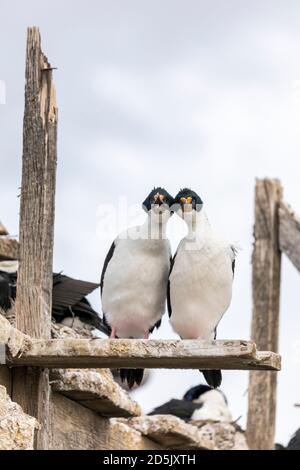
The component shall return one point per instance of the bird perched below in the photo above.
(199, 403)
(201, 276)
(69, 303)
(135, 276)
(294, 443)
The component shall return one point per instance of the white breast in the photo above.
(135, 285)
(200, 287)
(214, 408)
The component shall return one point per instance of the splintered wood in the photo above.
(34, 286)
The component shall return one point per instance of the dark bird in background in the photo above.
(198, 403)
(69, 303)
(135, 276)
(201, 276)
(294, 443)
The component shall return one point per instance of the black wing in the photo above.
(106, 261)
(172, 261)
(68, 300)
(181, 408)
(67, 292)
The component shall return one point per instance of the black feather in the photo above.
(150, 198)
(105, 264)
(169, 305)
(132, 376)
(212, 377)
(181, 408)
(6, 293)
(68, 298)
(294, 443)
(195, 392)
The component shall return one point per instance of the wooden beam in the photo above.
(170, 432)
(265, 321)
(9, 249)
(3, 230)
(74, 427)
(289, 234)
(95, 389)
(165, 354)
(34, 286)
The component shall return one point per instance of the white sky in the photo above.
(174, 93)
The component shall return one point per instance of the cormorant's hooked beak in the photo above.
(159, 199)
(186, 203)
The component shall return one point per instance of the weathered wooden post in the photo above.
(265, 321)
(34, 287)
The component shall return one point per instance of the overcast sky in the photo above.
(172, 93)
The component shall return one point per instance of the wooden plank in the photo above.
(170, 432)
(3, 230)
(124, 353)
(34, 286)
(96, 390)
(265, 321)
(74, 427)
(289, 234)
(9, 249)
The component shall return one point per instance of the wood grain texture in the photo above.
(266, 262)
(289, 234)
(34, 285)
(74, 427)
(165, 354)
(9, 249)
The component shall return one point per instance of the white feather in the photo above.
(201, 281)
(214, 407)
(135, 281)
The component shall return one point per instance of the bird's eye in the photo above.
(189, 200)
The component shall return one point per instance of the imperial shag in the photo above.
(200, 281)
(135, 276)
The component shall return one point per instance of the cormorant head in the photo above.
(159, 201)
(187, 201)
(195, 392)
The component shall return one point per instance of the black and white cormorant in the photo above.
(198, 403)
(200, 281)
(135, 276)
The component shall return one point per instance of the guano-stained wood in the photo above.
(170, 432)
(95, 389)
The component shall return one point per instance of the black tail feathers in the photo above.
(212, 377)
(132, 376)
